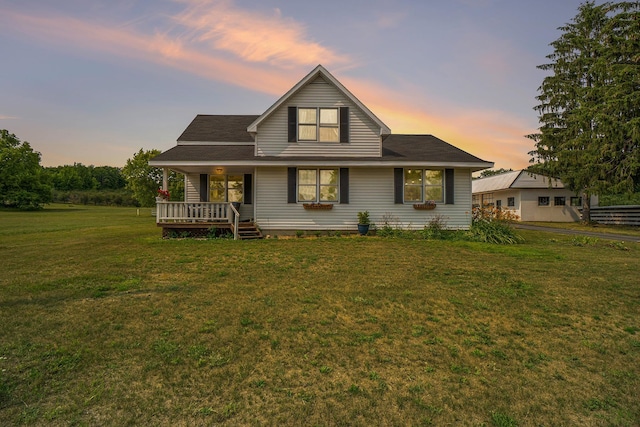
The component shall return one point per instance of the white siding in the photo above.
(370, 189)
(526, 204)
(532, 212)
(364, 134)
(192, 189)
(504, 196)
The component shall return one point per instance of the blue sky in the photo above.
(93, 81)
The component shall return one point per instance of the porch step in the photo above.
(248, 230)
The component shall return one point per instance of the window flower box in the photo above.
(426, 206)
(318, 206)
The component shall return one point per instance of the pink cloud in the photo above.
(160, 48)
(253, 36)
(271, 53)
(491, 135)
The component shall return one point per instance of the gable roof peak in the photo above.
(319, 71)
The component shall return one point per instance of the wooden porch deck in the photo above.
(198, 219)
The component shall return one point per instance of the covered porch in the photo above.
(196, 215)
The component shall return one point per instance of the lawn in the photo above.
(105, 323)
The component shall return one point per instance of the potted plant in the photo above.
(163, 195)
(363, 222)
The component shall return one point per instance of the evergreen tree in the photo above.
(590, 103)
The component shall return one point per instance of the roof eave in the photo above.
(473, 166)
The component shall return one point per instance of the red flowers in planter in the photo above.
(164, 194)
(320, 206)
(426, 206)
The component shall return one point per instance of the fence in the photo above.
(620, 215)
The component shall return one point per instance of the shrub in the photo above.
(435, 229)
(212, 233)
(499, 232)
(492, 225)
(490, 213)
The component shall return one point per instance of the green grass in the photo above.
(104, 323)
(594, 228)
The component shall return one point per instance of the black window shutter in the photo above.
(248, 189)
(204, 190)
(291, 185)
(293, 124)
(344, 185)
(448, 185)
(398, 181)
(344, 124)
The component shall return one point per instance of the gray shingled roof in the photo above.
(218, 128)
(206, 128)
(423, 148)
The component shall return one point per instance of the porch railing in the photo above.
(192, 212)
(184, 212)
(234, 217)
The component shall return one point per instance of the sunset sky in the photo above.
(93, 81)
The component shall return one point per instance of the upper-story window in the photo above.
(318, 124)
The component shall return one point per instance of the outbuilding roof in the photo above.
(515, 179)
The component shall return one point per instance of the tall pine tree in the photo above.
(590, 103)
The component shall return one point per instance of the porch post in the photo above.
(165, 179)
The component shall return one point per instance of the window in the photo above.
(318, 124)
(498, 203)
(487, 199)
(475, 200)
(576, 201)
(423, 184)
(329, 131)
(317, 185)
(559, 201)
(226, 188)
(543, 201)
(511, 202)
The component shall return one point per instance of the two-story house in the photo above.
(312, 161)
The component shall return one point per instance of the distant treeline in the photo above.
(95, 185)
(81, 177)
